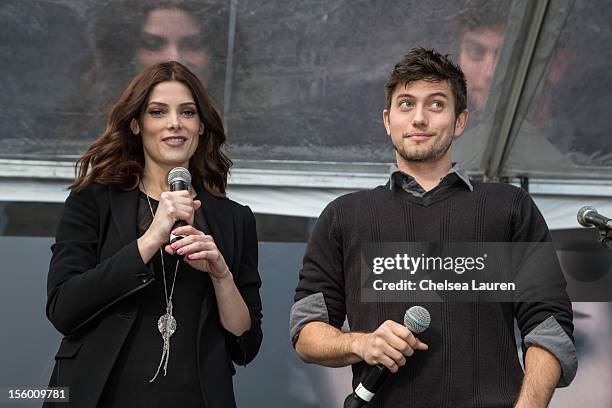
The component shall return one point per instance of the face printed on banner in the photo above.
(421, 120)
(173, 34)
(478, 53)
(170, 125)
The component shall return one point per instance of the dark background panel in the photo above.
(26, 219)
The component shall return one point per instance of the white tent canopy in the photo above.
(289, 191)
(302, 106)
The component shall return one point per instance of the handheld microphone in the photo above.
(417, 320)
(589, 217)
(179, 179)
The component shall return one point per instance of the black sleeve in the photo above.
(547, 323)
(78, 287)
(529, 226)
(319, 295)
(244, 348)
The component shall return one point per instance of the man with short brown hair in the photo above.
(468, 356)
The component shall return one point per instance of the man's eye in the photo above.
(405, 104)
(437, 105)
(476, 51)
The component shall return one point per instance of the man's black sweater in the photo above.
(472, 358)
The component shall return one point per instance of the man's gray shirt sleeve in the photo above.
(551, 336)
(309, 309)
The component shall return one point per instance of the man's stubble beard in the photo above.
(431, 154)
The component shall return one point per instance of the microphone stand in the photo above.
(605, 237)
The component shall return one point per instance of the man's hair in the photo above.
(428, 65)
(483, 14)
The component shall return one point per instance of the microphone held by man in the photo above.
(390, 344)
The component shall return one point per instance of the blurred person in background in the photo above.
(130, 35)
(481, 28)
(482, 32)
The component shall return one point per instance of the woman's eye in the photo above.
(189, 113)
(156, 112)
(151, 42)
(193, 43)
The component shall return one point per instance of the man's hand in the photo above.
(388, 345)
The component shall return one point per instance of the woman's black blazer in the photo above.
(96, 267)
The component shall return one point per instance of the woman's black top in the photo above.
(128, 384)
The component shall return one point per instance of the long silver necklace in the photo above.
(166, 324)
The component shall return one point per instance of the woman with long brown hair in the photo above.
(142, 327)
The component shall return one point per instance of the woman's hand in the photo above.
(200, 251)
(173, 206)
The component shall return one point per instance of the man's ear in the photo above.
(386, 121)
(461, 122)
(134, 126)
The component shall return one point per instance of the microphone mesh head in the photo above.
(582, 212)
(417, 319)
(179, 174)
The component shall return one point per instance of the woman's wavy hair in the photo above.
(117, 158)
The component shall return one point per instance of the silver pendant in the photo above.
(166, 325)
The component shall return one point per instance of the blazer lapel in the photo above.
(220, 219)
(124, 210)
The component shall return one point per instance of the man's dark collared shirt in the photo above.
(408, 183)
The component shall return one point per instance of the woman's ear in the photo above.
(134, 126)
(201, 131)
